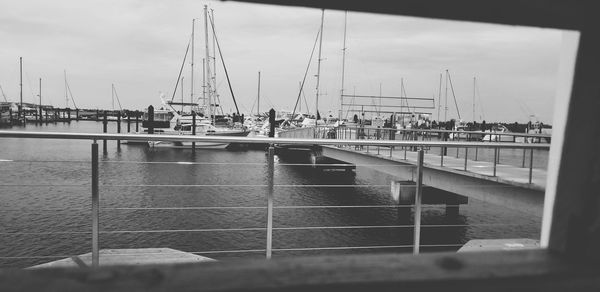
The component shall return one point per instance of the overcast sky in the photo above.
(139, 46)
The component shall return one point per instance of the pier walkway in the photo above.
(516, 184)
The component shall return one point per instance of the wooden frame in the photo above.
(571, 230)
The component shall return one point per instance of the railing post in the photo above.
(498, 156)
(495, 159)
(271, 177)
(95, 205)
(442, 156)
(524, 151)
(466, 155)
(476, 150)
(418, 193)
(530, 165)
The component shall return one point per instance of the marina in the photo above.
(451, 156)
(198, 202)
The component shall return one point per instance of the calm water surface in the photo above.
(45, 204)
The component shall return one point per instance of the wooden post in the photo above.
(272, 123)
(119, 129)
(104, 130)
(150, 120)
(128, 122)
(137, 121)
(194, 130)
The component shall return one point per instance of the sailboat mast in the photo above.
(258, 96)
(473, 98)
(216, 95)
(21, 87)
(40, 95)
(439, 99)
(112, 96)
(192, 66)
(446, 99)
(343, 66)
(66, 88)
(319, 67)
(203, 84)
(207, 72)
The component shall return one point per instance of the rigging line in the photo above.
(117, 96)
(212, 25)
(454, 96)
(181, 69)
(306, 73)
(70, 93)
(305, 102)
(3, 95)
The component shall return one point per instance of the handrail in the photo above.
(445, 131)
(254, 140)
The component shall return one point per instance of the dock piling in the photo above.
(104, 130)
(119, 129)
(193, 131)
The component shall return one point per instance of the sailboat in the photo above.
(182, 123)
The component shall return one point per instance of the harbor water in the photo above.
(213, 203)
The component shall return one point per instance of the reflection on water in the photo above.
(47, 190)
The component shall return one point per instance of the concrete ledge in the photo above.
(528, 270)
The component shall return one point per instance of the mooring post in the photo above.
(194, 130)
(150, 119)
(95, 206)
(68, 115)
(418, 195)
(271, 178)
(272, 124)
(119, 129)
(104, 130)
(128, 121)
(137, 121)
(77, 114)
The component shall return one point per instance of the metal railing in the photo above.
(95, 232)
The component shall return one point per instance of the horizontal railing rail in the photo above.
(258, 140)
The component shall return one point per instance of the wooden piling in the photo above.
(104, 130)
(194, 130)
(119, 129)
(128, 122)
(137, 121)
(150, 120)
